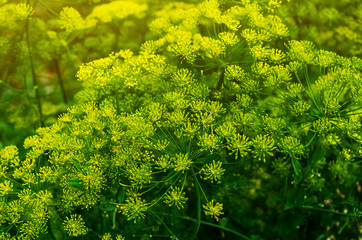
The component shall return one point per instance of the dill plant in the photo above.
(43, 44)
(331, 24)
(220, 123)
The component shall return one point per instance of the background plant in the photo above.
(42, 46)
(332, 25)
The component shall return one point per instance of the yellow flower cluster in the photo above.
(202, 110)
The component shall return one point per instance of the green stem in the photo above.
(167, 228)
(340, 91)
(15, 182)
(50, 231)
(198, 206)
(214, 27)
(11, 87)
(342, 228)
(95, 233)
(221, 79)
(223, 228)
(114, 219)
(315, 134)
(325, 210)
(35, 82)
(213, 225)
(164, 192)
(166, 179)
(7, 229)
(285, 189)
(101, 220)
(117, 101)
(49, 9)
(310, 88)
(306, 90)
(197, 182)
(171, 139)
(61, 82)
(349, 111)
(183, 183)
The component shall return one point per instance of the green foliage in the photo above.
(331, 24)
(42, 46)
(249, 133)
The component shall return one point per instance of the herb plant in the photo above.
(43, 43)
(221, 126)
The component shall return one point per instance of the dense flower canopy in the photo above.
(220, 119)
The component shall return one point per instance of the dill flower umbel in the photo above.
(263, 145)
(291, 146)
(182, 162)
(134, 208)
(75, 225)
(6, 187)
(213, 171)
(213, 210)
(175, 196)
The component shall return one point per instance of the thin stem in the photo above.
(285, 188)
(212, 225)
(315, 134)
(15, 182)
(352, 110)
(221, 78)
(117, 102)
(212, 133)
(189, 146)
(358, 162)
(7, 229)
(222, 227)
(339, 92)
(208, 32)
(214, 27)
(183, 183)
(48, 8)
(95, 233)
(306, 91)
(198, 183)
(325, 210)
(310, 88)
(198, 206)
(164, 192)
(171, 139)
(114, 219)
(50, 231)
(346, 102)
(35, 82)
(101, 220)
(166, 179)
(342, 228)
(61, 82)
(11, 87)
(350, 114)
(162, 222)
